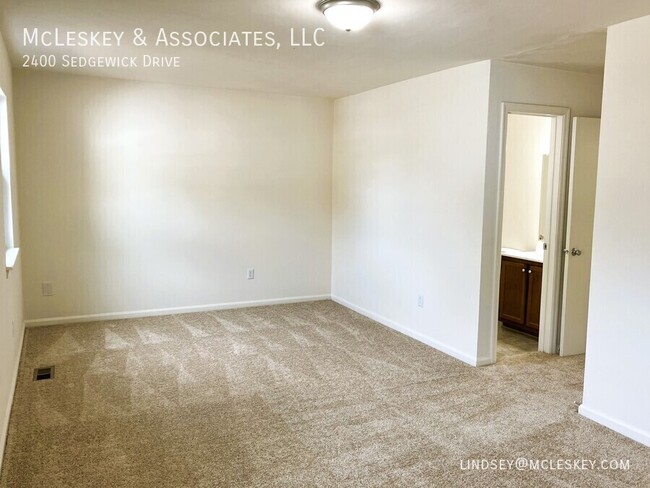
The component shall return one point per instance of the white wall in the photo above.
(617, 385)
(11, 306)
(517, 83)
(140, 196)
(409, 163)
(528, 140)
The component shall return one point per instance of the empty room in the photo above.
(325, 243)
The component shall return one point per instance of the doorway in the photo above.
(543, 284)
(534, 150)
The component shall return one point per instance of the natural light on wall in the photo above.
(11, 252)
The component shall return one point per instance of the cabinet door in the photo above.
(534, 305)
(512, 295)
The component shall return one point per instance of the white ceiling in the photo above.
(584, 52)
(406, 38)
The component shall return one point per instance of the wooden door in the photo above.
(534, 297)
(580, 229)
(512, 299)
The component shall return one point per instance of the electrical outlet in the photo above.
(250, 274)
(47, 289)
(421, 301)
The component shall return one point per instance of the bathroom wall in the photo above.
(528, 141)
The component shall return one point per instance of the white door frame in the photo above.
(556, 216)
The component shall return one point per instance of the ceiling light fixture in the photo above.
(349, 15)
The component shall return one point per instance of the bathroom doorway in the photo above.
(533, 165)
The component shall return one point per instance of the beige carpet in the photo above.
(293, 395)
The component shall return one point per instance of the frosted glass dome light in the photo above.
(349, 15)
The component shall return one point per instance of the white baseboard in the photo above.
(5, 424)
(170, 311)
(616, 425)
(451, 351)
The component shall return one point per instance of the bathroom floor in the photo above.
(512, 343)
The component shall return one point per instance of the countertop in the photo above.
(535, 256)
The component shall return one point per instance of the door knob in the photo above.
(576, 252)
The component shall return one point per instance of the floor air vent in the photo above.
(41, 374)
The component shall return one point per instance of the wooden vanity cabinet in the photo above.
(520, 294)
